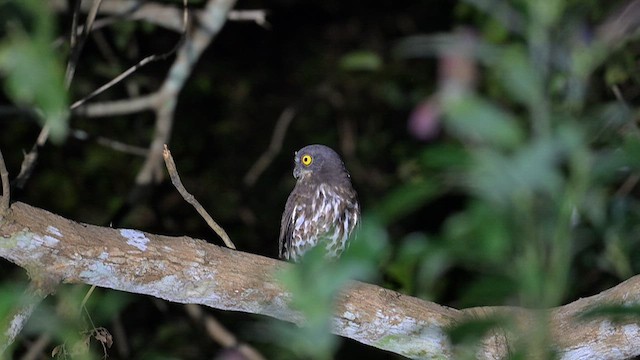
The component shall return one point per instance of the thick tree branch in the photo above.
(185, 270)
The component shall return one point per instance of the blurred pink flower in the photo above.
(424, 121)
(457, 74)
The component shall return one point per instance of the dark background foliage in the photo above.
(520, 189)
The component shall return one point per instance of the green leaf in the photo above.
(33, 73)
(616, 74)
(615, 313)
(362, 60)
(631, 151)
(444, 157)
(405, 199)
(473, 330)
(479, 235)
(617, 255)
(531, 170)
(472, 118)
(488, 291)
(404, 265)
(518, 75)
(546, 12)
(418, 265)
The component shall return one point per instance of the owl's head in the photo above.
(318, 162)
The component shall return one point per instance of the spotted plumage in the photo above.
(322, 208)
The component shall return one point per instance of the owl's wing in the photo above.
(286, 227)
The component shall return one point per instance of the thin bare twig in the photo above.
(119, 107)
(86, 298)
(220, 334)
(616, 91)
(628, 185)
(122, 147)
(124, 75)
(274, 147)
(36, 348)
(258, 16)
(78, 44)
(120, 336)
(31, 158)
(113, 144)
(6, 196)
(620, 24)
(175, 179)
(73, 37)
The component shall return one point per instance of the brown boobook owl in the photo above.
(323, 207)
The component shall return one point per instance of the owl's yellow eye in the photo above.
(306, 160)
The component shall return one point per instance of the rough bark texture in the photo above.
(185, 270)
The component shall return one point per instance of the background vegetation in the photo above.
(494, 146)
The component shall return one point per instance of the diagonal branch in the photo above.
(177, 183)
(220, 334)
(142, 263)
(277, 138)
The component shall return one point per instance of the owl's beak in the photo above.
(299, 172)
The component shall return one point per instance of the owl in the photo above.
(322, 210)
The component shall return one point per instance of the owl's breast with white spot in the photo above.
(328, 216)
